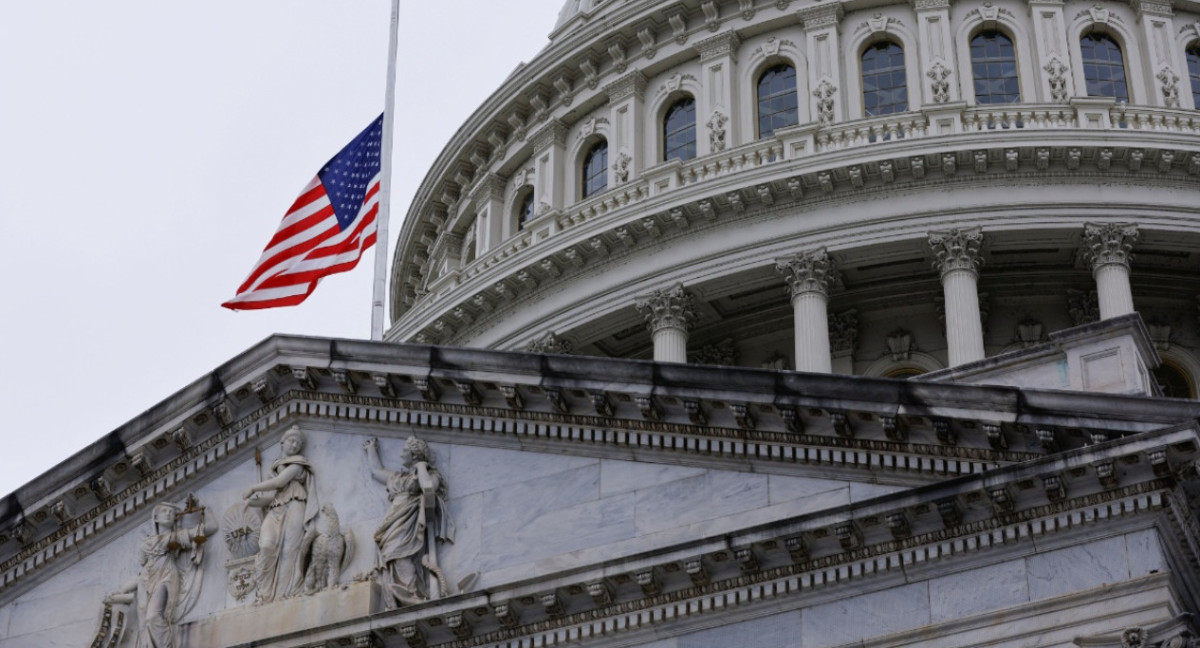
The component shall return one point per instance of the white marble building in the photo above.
(860, 190)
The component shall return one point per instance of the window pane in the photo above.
(1103, 67)
(777, 105)
(885, 89)
(679, 130)
(1193, 66)
(994, 63)
(595, 169)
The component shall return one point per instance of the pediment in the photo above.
(556, 471)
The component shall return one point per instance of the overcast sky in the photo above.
(148, 151)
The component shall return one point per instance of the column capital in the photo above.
(809, 271)
(821, 16)
(632, 84)
(672, 307)
(554, 133)
(956, 249)
(1109, 244)
(723, 44)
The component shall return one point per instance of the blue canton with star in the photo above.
(347, 176)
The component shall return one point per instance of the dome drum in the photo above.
(981, 118)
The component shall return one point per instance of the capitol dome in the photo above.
(869, 188)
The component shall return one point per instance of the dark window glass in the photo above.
(679, 130)
(1173, 381)
(885, 88)
(1193, 66)
(1103, 67)
(525, 211)
(595, 169)
(994, 66)
(777, 99)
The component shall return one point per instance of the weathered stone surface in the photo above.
(978, 590)
(624, 476)
(775, 631)
(866, 615)
(1076, 568)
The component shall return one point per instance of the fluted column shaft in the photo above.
(1108, 248)
(956, 258)
(669, 314)
(810, 275)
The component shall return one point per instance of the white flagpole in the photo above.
(385, 188)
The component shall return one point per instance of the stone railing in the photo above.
(846, 135)
(1163, 120)
(1018, 116)
(807, 141)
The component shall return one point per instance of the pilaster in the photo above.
(1108, 249)
(940, 79)
(626, 105)
(957, 260)
(488, 202)
(1052, 53)
(717, 104)
(822, 26)
(669, 314)
(1163, 66)
(549, 154)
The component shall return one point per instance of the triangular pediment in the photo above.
(561, 476)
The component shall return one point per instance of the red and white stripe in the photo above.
(307, 246)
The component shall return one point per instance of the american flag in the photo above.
(325, 231)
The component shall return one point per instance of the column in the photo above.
(810, 275)
(956, 257)
(1108, 249)
(625, 108)
(717, 104)
(821, 25)
(669, 314)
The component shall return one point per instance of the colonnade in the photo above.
(811, 275)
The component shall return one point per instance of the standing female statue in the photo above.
(168, 583)
(291, 506)
(416, 519)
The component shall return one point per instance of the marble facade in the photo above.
(628, 503)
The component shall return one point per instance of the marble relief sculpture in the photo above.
(326, 551)
(168, 582)
(289, 496)
(417, 518)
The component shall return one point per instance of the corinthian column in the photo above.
(956, 257)
(1108, 249)
(669, 314)
(810, 275)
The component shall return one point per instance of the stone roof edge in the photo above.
(758, 386)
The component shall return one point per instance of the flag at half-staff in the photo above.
(326, 230)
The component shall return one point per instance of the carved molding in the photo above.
(550, 343)
(1109, 244)
(632, 84)
(956, 249)
(724, 44)
(810, 271)
(821, 16)
(673, 307)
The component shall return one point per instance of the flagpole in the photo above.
(379, 296)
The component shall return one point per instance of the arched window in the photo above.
(525, 208)
(1103, 67)
(595, 169)
(885, 88)
(1193, 67)
(994, 66)
(777, 105)
(1174, 381)
(679, 130)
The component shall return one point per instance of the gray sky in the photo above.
(147, 152)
